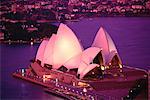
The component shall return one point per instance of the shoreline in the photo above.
(72, 20)
(69, 91)
(19, 42)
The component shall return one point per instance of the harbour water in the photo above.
(13, 57)
(131, 36)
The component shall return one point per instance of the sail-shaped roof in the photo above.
(89, 68)
(41, 50)
(48, 54)
(64, 49)
(66, 46)
(82, 66)
(104, 41)
(111, 55)
(73, 62)
(89, 54)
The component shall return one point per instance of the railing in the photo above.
(92, 95)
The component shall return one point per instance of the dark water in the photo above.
(12, 58)
(131, 35)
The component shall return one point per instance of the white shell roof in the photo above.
(82, 67)
(66, 46)
(111, 55)
(103, 40)
(48, 54)
(73, 62)
(89, 54)
(41, 50)
(65, 49)
(89, 68)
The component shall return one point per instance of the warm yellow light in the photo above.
(106, 67)
(46, 76)
(82, 84)
(102, 67)
(120, 65)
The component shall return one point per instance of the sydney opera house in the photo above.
(64, 53)
(62, 58)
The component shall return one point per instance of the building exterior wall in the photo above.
(55, 74)
(63, 77)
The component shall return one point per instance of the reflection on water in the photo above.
(131, 35)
